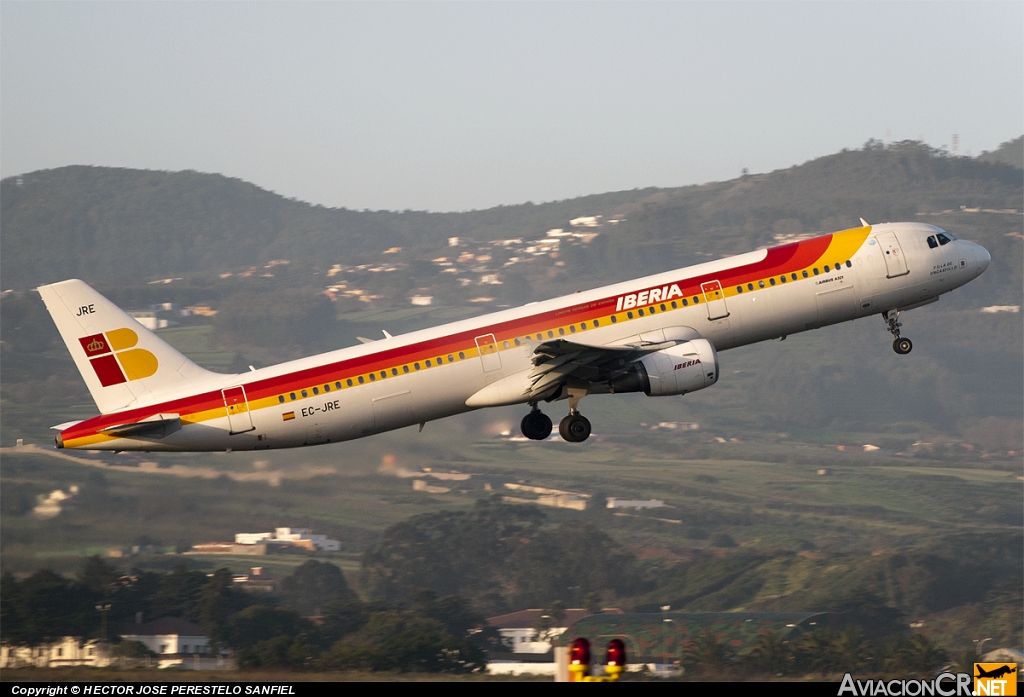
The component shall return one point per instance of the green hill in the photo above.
(126, 226)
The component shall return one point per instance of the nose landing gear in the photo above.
(900, 345)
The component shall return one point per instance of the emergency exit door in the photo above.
(714, 296)
(895, 261)
(239, 420)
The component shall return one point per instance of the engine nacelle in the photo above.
(685, 367)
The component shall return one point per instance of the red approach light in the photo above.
(579, 660)
(616, 655)
(579, 652)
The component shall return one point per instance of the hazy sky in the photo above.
(451, 106)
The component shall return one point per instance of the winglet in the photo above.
(864, 222)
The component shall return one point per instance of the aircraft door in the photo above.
(895, 261)
(714, 296)
(239, 420)
(489, 356)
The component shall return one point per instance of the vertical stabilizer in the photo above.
(123, 363)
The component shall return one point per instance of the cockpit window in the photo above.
(932, 242)
(943, 238)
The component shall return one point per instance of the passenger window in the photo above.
(597, 323)
(416, 365)
(663, 308)
(373, 377)
(848, 264)
(305, 394)
(405, 369)
(793, 276)
(429, 364)
(614, 319)
(640, 312)
(650, 309)
(349, 381)
(561, 331)
(685, 302)
(739, 289)
(451, 358)
(316, 390)
(572, 328)
(782, 278)
(394, 371)
(292, 395)
(815, 270)
(360, 380)
(327, 388)
(771, 281)
(805, 273)
(383, 373)
(760, 284)
(517, 342)
(551, 334)
(462, 356)
(943, 239)
(674, 306)
(338, 385)
(629, 315)
(837, 266)
(696, 300)
(540, 337)
(826, 268)
(280, 398)
(750, 286)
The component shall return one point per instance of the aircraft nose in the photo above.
(983, 258)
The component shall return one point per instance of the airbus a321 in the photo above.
(659, 335)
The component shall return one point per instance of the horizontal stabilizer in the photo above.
(156, 426)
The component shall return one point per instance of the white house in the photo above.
(68, 651)
(298, 537)
(178, 643)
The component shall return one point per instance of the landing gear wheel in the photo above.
(575, 428)
(902, 346)
(536, 425)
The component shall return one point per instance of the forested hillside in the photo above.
(117, 225)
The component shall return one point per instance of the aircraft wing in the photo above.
(562, 362)
(558, 360)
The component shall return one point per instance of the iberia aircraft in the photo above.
(659, 335)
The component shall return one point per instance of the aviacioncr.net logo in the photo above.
(114, 358)
(945, 685)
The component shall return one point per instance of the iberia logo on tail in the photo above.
(115, 360)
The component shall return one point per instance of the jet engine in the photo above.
(685, 367)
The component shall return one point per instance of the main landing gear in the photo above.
(900, 344)
(536, 425)
(574, 428)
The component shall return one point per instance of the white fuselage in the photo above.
(430, 374)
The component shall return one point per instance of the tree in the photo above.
(404, 641)
(769, 654)
(218, 601)
(97, 575)
(710, 654)
(314, 584)
(258, 623)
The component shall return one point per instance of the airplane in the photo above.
(659, 335)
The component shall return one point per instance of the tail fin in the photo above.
(123, 363)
